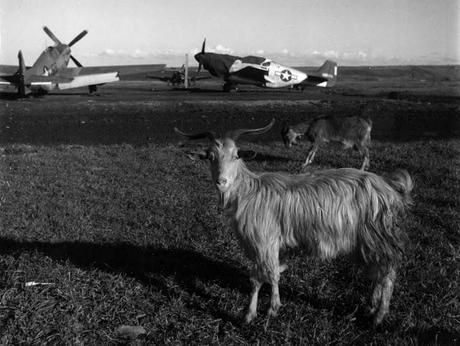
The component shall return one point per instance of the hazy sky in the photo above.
(298, 32)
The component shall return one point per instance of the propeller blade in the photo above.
(20, 75)
(51, 35)
(78, 38)
(203, 45)
(22, 65)
(75, 61)
(199, 68)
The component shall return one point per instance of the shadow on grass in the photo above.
(151, 265)
(148, 265)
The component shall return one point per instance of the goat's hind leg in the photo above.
(383, 290)
(375, 298)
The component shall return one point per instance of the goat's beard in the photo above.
(221, 199)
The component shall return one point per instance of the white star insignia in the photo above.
(285, 75)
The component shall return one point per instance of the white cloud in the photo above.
(285, 57)
(331, 54)
(223, 50)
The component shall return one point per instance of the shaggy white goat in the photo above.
(329, 212)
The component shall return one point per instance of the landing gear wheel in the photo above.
(229, 87)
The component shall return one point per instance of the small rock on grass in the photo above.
(130, 332)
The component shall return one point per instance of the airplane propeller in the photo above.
(20, 76)
(77, 38)
(75, 61)
(200, 65)
(51, 35)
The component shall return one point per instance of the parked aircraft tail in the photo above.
(325, 76)
(329, 71)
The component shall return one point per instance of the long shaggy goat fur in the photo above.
(330, 212)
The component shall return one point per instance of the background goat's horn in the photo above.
(209, 135)
(236, 133)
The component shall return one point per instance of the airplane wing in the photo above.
(200, 77)
(122, 70)
(5, 84)
(162, 78)
(59, 82)
(6, 70)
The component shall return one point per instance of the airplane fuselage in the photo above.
(253, 70)
(50, 61)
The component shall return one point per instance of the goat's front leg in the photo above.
(273, 271)
(311, 154)
(252, 310)
(364, 151)
(275, 301)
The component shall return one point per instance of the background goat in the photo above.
(352, 132)
(328, 213)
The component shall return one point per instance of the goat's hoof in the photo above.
(370, 311)
(249, 317)
(273, 311)
(377, 320)
(283, 267)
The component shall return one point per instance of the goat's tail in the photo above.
(401, 181)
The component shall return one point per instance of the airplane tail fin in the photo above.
(325, 76)
(329, 72)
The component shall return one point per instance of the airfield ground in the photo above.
(99, 200)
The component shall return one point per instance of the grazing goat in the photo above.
(352, 132)
(330, 212)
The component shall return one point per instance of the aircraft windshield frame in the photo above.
(266, 63)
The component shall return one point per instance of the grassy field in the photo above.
(106, 209)
(132, 236)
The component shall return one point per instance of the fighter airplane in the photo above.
(50, 71)
(176, 77)
(262, 72)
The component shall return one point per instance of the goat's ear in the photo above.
(247, 154)
(197, 154)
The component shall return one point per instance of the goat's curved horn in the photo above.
(209, 135)
(237, 133)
